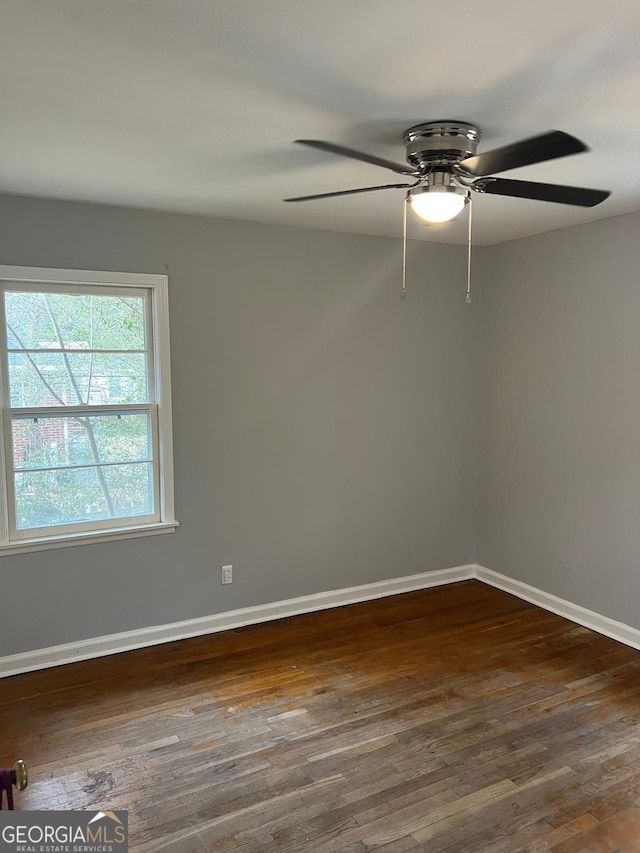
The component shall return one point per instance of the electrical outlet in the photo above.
(227, 574)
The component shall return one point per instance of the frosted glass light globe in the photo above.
(436, 205)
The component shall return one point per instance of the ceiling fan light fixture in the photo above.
(438, 203)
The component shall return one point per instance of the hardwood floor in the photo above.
(457, 718)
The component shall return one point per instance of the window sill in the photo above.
(23, 546)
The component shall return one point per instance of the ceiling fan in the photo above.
(441, 156)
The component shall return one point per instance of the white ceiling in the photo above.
(192, 106)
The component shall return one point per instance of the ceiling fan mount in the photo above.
(444, 143)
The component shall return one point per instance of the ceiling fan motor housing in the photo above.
(440, 143)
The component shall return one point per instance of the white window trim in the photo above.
(158, 285)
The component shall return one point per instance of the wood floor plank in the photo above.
(455, 719)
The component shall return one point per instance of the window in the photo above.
(86, 419)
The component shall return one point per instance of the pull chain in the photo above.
(404, 247)
(467, 298)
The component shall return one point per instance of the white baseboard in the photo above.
(137, 639)
(588, 618)
(127, 640)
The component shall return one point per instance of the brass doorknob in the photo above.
(20, 777)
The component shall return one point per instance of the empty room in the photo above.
(320, 445)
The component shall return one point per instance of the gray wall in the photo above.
(559, 417)
(323, 428)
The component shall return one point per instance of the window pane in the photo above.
(131, 488)
(73, 379)
(46, 498)
(74, 321)
(45, 441)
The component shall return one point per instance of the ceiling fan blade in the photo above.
(580, 196)
(357, 155)
(536, 149)
(349, 192)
